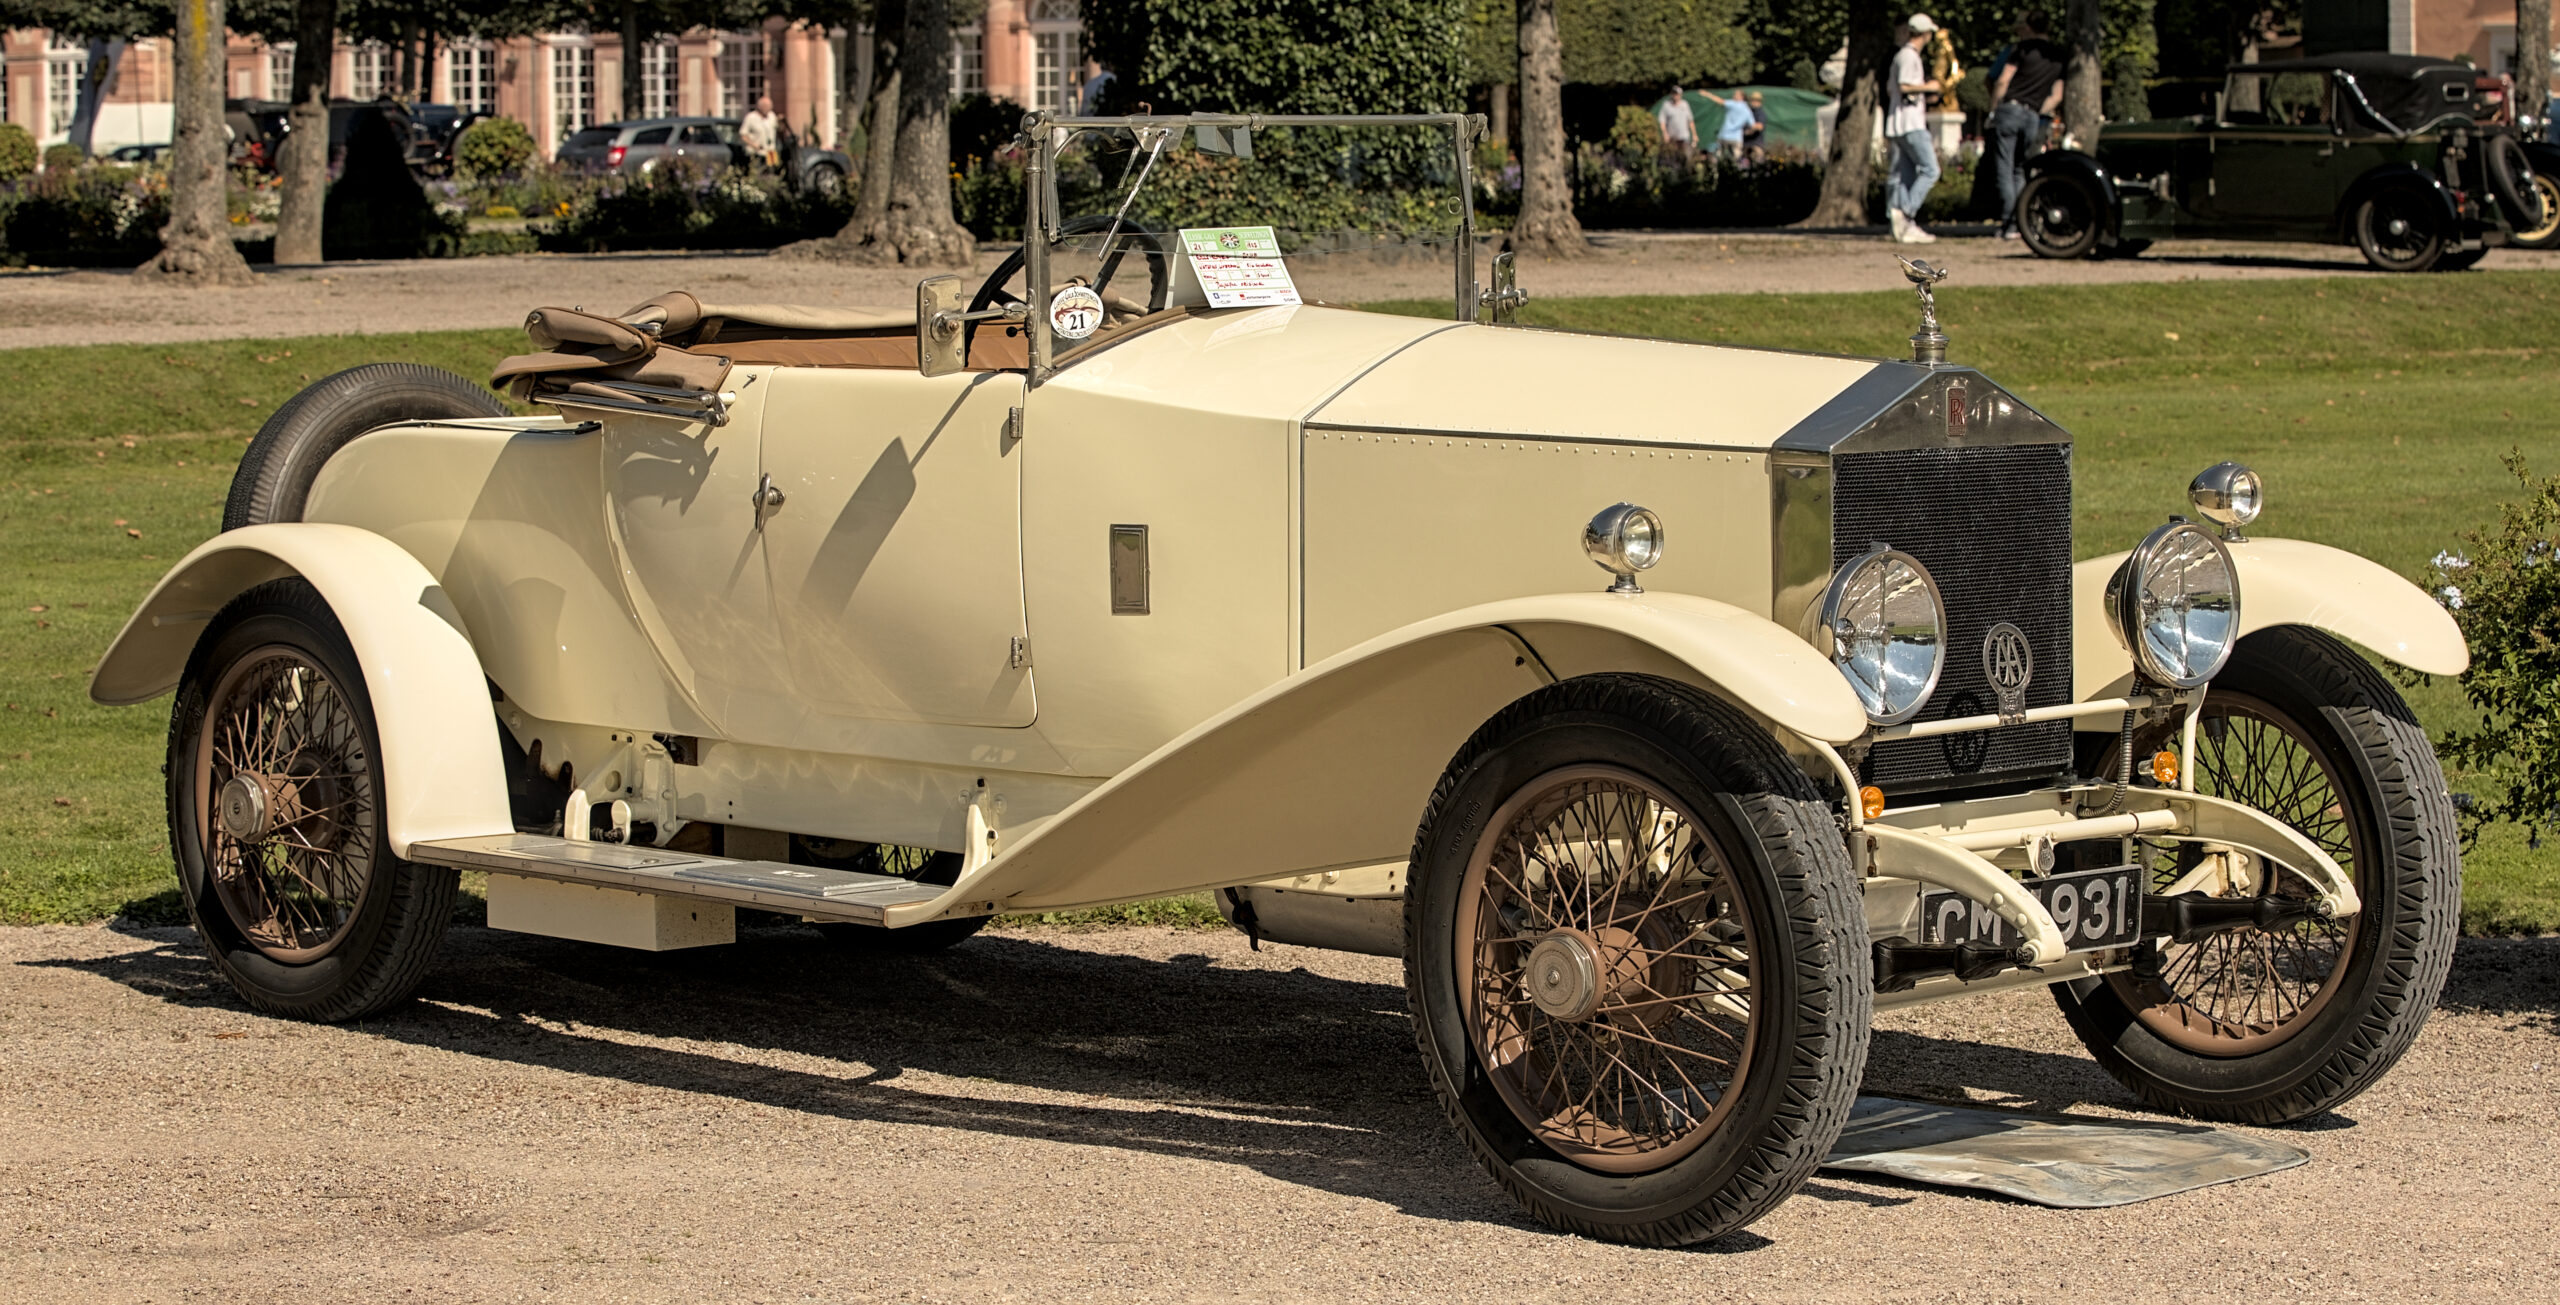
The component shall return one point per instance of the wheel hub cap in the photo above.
(1564, 977)
(244, 807)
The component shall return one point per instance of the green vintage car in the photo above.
(2380, 151)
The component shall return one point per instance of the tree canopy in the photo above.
(1619, 42)
(1284, 56)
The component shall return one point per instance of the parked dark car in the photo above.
(642, 144)
(2384, 152)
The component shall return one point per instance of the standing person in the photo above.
(761, 133)
(2024, 99)
(1906, 128)
(1097, 82)
(1732, 126)
(1755, 136)
(1679, 123)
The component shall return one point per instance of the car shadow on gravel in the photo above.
(1306, 1078)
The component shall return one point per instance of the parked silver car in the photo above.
(642, 144)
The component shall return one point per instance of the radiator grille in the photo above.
(1994, 526)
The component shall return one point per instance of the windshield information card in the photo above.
(1239, 267)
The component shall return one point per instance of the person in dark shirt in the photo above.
(2029, 90)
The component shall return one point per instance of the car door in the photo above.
(2274, 154)
(700, 142)
(895, 555)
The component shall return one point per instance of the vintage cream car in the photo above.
(1052, 595)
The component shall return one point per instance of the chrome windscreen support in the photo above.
(1503, 298)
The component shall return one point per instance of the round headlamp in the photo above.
(2175, 604)
(2228, 495)
(1883, 623)
(1624, 539)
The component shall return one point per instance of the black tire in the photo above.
(2305, 694)
(2400, 229)
(2511, 180)
(2547, 234)
(824, 179)
(923, 865)
(385, 915)
(275, 474)
(1783, 886)
(2460, 260)
(2060, 216)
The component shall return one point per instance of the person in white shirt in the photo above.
(1679, 122)
(1906, 130)
(760, 131)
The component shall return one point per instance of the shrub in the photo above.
(65, 157)
(1650, 187)
(492, 147)
(375, 209)
(86, 217)
(2504, 592)
(18, 157)
(676, 206)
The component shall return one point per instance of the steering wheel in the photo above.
(1157, 249)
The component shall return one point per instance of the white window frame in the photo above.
(1057, 54)
(661, 74)
(573, 108)
(740, 68)
(372, 70)
(969, 59)
(64, 67)
(471, 69)
(280, 71)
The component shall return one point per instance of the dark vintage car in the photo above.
(2385, 152)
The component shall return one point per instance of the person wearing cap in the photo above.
(1906, 128)
(2026, 92)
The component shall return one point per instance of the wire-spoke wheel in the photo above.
(2545, 233)
(2401, 229)
(2059, 216)
(276, 817)
(1611, 969)
(2270, 1025)
(1638, 966)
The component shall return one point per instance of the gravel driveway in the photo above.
(1127, 1115)
(50, 308)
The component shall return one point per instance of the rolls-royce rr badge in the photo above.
(2009, 663)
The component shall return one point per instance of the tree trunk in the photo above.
(631, 55)
(195, 246)
(303, 162)
(98, 76)
(880, 130)
(2533, 63)
(2083, 103)
(1547, 225)
(919, 227)
(1852, 164)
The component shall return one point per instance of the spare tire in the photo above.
(2511, 179)
(276, 474)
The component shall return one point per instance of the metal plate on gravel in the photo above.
(2060, 1161)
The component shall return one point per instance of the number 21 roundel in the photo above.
(1075, 313)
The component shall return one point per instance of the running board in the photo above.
(793, 889)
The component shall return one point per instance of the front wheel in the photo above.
(2266, 1026)
(2546, 233)
(2059, 216)
(276, 823)
(2401, 230)
(1636, 960)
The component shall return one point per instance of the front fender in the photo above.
(2392, 175)
(440, 764)
(2088, 169)
(2282, 582)
(1332, 767)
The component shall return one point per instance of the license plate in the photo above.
(2095, 909)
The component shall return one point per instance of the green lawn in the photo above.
(2375, 408)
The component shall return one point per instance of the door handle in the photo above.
(767, 497)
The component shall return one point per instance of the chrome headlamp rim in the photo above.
(2124, 604)
(2229, 494)
(1823, 620)
(1608, 542)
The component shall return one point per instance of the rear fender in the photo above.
(441, 769)
(2282, 582)
(1332, 767)
(2397, 174)
(2110, 203)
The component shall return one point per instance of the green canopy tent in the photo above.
(1789, 114)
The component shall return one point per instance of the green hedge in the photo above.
(1283, 56)
(680, 207)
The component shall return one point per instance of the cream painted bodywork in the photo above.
(2282, 582)
(1363, 543)
(430, 704)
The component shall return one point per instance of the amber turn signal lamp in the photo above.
(1871, 801)
(2164, 766)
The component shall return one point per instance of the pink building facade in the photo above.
(1030, 52)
